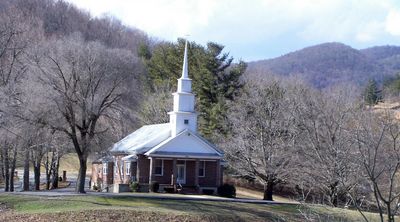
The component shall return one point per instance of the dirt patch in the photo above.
(3, 207)
(107, 215)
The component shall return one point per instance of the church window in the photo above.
(105, 168)
(202, 168)
(158, 167)
(128, 168)
(186, 121)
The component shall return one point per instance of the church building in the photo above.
(172, 154)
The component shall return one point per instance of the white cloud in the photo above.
(393, 22)
(258, 22)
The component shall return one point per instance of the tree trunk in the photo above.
(389, 213)
(54, 183)
(13, 167)
(6, 170)
(80, 184)
(268, 190)
(2, 173)
(26, 170)
(48, 170)
(36, 172)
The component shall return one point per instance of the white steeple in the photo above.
(183, 115)
(185, 72)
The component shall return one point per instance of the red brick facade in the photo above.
(117, 175)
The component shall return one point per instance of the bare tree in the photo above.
(326, 147)
(155, 106)
(84, 80)
(378, 138)
(262, 135)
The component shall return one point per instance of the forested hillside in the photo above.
(72, 83)
(332, 63)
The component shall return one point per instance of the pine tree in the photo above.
(215, 78)
(372, 93)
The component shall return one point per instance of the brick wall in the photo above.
(166, 177)
(210, 178)
(144, 167)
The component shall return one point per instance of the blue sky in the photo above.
(260, 29)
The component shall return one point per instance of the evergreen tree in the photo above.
(372, 93)
(215, 78)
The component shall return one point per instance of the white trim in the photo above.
(162, 167)
(105, 168)
(204, 168)
(197, 137)
(189, 157)
(128, 168)
(184, 172)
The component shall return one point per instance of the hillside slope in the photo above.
(331, 63)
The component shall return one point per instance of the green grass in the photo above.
(93, 206)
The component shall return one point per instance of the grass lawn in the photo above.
(95, 208)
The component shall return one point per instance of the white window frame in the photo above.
(204, 168)
(105, 168)
(128, 168)
(162, 167)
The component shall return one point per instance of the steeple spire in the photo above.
(185, 72)
(183, 116)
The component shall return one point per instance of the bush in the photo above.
(154, 187)
(208, 191)
(227, 190)
(95, 187)
(135, 186)
(169, 189)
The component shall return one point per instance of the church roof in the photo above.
(186, 144)
(143, 139)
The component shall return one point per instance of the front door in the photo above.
(181, 170)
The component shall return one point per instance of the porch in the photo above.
(190, 174)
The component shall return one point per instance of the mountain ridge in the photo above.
(332, 63)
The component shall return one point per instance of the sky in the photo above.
(259, 29)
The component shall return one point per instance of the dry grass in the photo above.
(120, 208)
(242, 192)
(70, 163)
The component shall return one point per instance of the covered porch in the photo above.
(192, 175)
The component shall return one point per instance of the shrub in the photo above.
(169, 189)
(95, 187)
(135, 186)
(227, 190)
(208, 191)
(154, 187)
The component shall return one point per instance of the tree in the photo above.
(216, 79)
(155, 106)
(85, 80)
(372, 93)
(326, 147)
(377, 138)
(262, 140)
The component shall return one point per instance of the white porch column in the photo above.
(151, 172)
(137, 171)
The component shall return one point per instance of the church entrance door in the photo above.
(181, 177)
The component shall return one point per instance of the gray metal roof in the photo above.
(143, 139)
